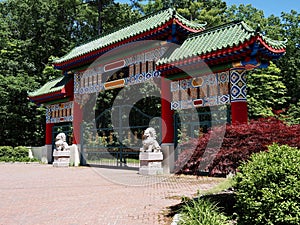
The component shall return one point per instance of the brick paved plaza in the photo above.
(40, 194)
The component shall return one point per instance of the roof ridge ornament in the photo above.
(258, 29)
(174, 12)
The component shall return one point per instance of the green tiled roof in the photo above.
(218, 38)
(274, 43)
(51, 86)
(188, 23)
(145, 24)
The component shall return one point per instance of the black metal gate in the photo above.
(115, 137)
(193, 123)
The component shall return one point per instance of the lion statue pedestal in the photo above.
(150, 156)
(61, 153)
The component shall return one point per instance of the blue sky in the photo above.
(268, 6)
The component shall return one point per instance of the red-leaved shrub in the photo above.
(222, 154)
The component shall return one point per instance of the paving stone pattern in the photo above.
(41, 194)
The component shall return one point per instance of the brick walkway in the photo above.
(40, 194)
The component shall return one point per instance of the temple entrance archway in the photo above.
(114, 136)
(111, 142)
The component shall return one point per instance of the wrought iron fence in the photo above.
(115, 137)
(193, 124)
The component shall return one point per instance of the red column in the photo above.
(238, 94)
(48, 138)
(77, 119)
(166, 112)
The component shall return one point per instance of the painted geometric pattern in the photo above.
(83, 86)
(90, 80)
(95, 87)
(140, 78)
(77, 78)
(202, 102)
(201, 91)
(59, 113)
(238, 88)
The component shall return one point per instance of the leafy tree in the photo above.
(270, 26)
(15, 110)
(86, 18)
(273, 28)
(266, 93)
(247, 13)
(290, 63)
(148, 104)
(22, 120)
(31, 32)
(49, 71)
(292, 116)
(211, 12)
(125, 14)
(285, 28)
(53, 27)
(42, 26)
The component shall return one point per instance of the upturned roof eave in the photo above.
(187, 51)
(50, 91)
(167, 18)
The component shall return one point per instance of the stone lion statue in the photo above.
(149, 141)
(60, 143)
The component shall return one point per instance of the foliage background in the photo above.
(32, 32)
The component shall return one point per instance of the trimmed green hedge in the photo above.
(268, 187)
(17, 154)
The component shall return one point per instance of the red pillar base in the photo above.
(239, 112)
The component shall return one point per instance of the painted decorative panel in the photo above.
(131, 70)
(208, 90)
(92, 85)
(238, 88)
(59, 113)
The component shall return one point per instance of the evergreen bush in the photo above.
(20, 152)
(268, 187)
(17, 154)
(6, 151)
